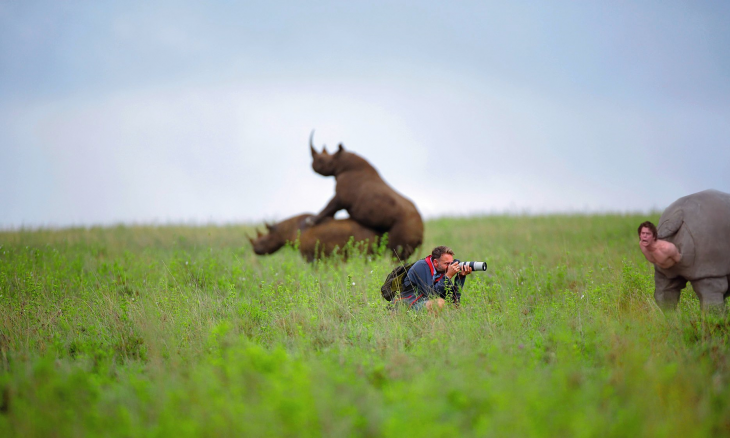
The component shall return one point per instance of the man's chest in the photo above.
(654, 256)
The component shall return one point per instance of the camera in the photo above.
(475, 266)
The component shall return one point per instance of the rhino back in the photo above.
(703, 237)
(332, 233)
(371, 201)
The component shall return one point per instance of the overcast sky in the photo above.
(196, 113)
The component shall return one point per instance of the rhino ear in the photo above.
(340, 148)
(670, 226)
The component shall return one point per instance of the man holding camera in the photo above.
(431, 281)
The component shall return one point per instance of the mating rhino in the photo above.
(699, 225)
(368, 199)
(314, 241)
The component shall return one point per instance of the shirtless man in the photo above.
(660, 252)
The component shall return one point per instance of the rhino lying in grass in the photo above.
(368, 199)
(314, 241)
(699, 226)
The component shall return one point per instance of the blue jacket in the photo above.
(421, 280)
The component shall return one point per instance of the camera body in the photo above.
(475, 266)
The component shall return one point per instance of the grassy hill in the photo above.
(183, 331)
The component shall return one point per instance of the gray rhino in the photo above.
(699, 225)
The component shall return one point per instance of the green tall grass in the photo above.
(183, 331)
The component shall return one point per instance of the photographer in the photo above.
(431, 281)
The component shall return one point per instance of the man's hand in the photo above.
(466, 271)
(452, 270)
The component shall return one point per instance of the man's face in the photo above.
(646, 237)
(442, 263)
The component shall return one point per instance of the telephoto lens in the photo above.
(475, 266)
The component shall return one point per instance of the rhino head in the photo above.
(278, 234)
(324, 163)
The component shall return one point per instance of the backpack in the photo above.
(394, 282)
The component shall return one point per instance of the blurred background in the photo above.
(182, 112)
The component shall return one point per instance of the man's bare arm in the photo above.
(666, 255)
(673, 252)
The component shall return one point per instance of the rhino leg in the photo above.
(711, 292)
(329, 210)
(405, 236)
(307, 253)
(667, 290)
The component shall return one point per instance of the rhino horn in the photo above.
(258, 234)
(311, 144)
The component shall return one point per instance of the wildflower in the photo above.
(581, 297)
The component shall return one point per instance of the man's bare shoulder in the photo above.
(649, 254)
(666, 254)
(666, 247)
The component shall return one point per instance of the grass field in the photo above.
(183, 331)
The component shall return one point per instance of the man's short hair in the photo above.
(439, 251)
(650, 226)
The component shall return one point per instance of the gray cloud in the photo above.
(183, 112)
